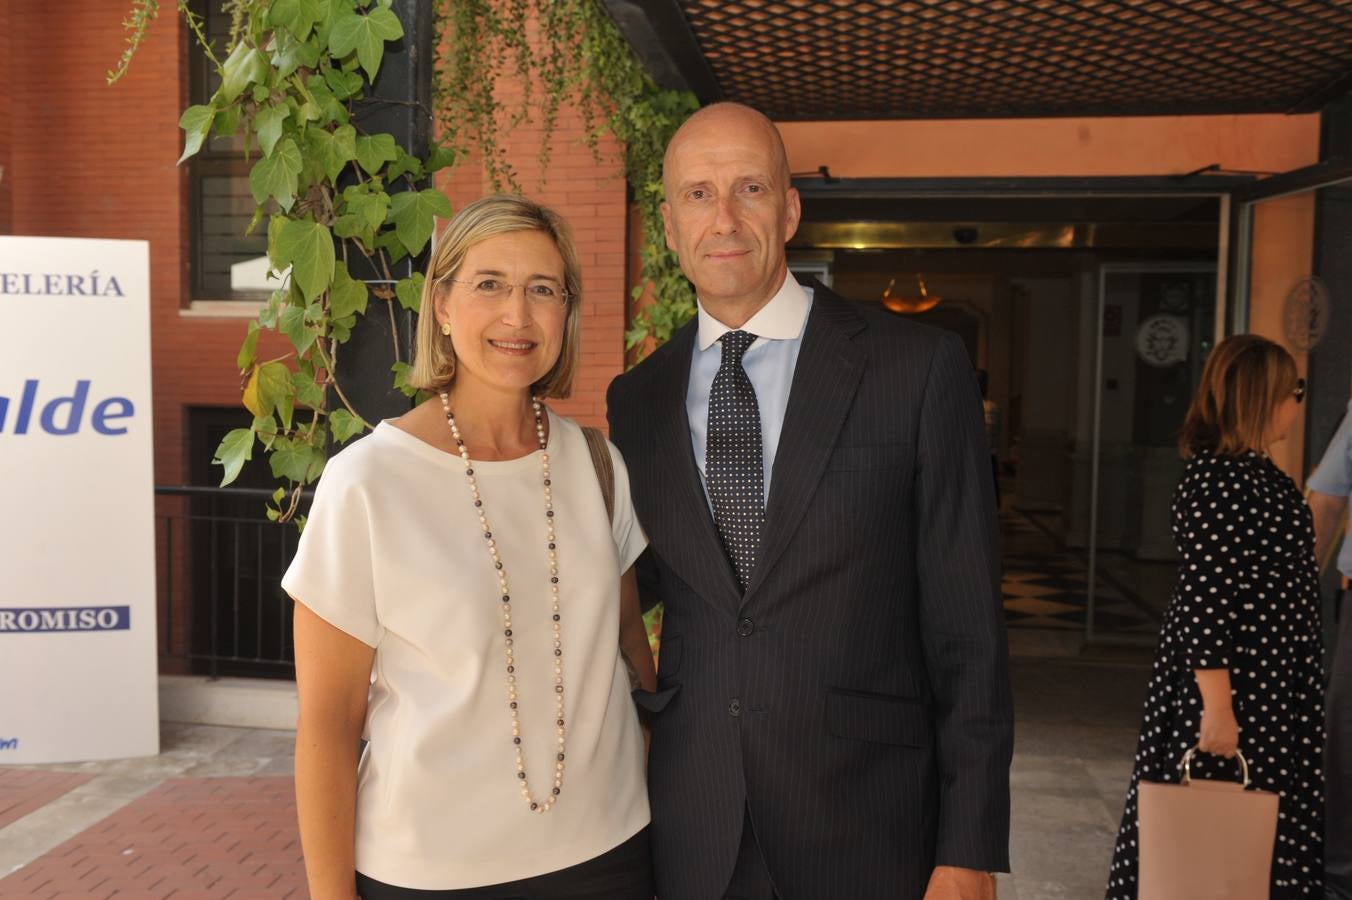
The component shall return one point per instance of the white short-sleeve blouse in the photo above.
(392, 554)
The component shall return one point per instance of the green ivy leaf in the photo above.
(389, 242)
(244, 66)
(234, 450)
(277, 175)
(344, 84)
(248, 352)
(405, 163)
(369, 206)
(307, 392)
(289, 54)
(409, 292)
(366, 35)
(290, 459)
(265, 427)
(273, 385)
(294, 326)
(348, 226)
(440, 158)
(226, 122)
(296, 16)
(347, 296)
(344, 425)
(332, 150)
(308, 248)
(341, 329)
(412, 214)
(268, 124)
(376, 150)
(196, 122)
(401, 372)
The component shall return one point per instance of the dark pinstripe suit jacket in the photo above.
(856, 698)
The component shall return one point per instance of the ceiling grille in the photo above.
(840, 59)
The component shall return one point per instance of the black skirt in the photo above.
(623, 873)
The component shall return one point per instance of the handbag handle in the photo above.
(1185, 764)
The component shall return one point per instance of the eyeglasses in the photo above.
(1299, 392)
(539, 293)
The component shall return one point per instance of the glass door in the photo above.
(1156, 323)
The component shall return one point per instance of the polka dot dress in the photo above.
(1247, 599)
(733, 465)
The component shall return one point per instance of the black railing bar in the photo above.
(258, 591)
(187, 490)
(214, 593)
(169, 581)
(234, 586)
(192, 517)
(232, 659)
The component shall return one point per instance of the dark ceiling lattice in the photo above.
(839, 59)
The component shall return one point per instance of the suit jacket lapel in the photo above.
(683, 528)
(824, 381)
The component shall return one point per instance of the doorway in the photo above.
(1087, 317)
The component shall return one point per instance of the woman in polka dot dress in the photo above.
(1239, 658)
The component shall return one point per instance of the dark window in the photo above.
(221, 203)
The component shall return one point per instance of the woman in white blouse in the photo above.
(459, 591)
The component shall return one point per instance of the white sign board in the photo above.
(77, 528)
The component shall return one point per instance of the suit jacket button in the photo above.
(735, 708)
(745, 627)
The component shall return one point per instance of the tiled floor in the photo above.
(213, 816)
(1046, 585)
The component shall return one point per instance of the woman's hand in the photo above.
(1220, 731)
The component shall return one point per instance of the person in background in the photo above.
(994, 422)
(1239, 665)
(1330, 486)
(463, 600)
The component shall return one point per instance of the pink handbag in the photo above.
(1205, 840)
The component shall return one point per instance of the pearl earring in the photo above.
(446, 328)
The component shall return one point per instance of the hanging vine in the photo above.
(556, 52)
(330, 194)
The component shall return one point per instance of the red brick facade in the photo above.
(85, 159)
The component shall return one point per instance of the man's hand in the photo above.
(952, 883)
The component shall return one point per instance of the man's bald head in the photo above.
(714, 123)
(730, 208)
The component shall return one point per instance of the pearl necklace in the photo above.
(539, 806)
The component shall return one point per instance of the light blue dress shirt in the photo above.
(1334, 477)
(769, 363)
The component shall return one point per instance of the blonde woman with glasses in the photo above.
(459, 589)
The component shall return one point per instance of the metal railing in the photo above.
(221, 608)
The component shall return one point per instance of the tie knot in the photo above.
(735, 344)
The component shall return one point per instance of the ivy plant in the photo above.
(575, 54)
(331, 196)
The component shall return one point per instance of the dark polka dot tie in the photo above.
(732, 458)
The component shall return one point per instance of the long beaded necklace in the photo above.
(539, 806)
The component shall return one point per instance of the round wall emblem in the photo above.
(1305, 317)
(1162, 340)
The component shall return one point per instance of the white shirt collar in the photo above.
(780, 319)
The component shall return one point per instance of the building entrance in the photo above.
(1087, 320)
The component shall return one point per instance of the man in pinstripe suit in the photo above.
(833, 716)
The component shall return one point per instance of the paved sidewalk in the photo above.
(213, 816)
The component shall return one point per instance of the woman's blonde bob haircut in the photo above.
(1245, 379)
(433, 355)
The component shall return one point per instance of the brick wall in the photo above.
(6, 118)
(86, 159)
